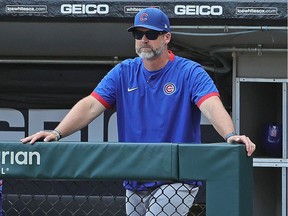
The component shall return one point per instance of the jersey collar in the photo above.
(171, 55)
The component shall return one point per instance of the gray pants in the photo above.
(167, 200)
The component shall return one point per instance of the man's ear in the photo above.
(168, 37)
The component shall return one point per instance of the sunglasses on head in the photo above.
(150, 35)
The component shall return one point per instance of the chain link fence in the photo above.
(77, 198)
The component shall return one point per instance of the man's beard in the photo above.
(153, 53)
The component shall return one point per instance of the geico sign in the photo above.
(84, 9)
(202, 10)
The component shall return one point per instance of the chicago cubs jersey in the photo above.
(156, 106)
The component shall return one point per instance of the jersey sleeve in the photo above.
(105, 92)
(203, 86)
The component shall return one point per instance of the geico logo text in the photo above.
(84, 9)
(203, 10)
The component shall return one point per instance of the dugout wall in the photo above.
(225, 167)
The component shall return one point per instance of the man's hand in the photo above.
(250, 146)
(39, 136)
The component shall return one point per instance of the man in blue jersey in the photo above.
(163, 95)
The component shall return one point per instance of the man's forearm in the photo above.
(215, 112)
(82, 113)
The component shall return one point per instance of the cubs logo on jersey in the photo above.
(169, 88)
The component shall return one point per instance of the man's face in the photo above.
(149, 49)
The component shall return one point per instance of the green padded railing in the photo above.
(225, 168)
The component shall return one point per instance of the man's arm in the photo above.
(215, 112)
(83, 112)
